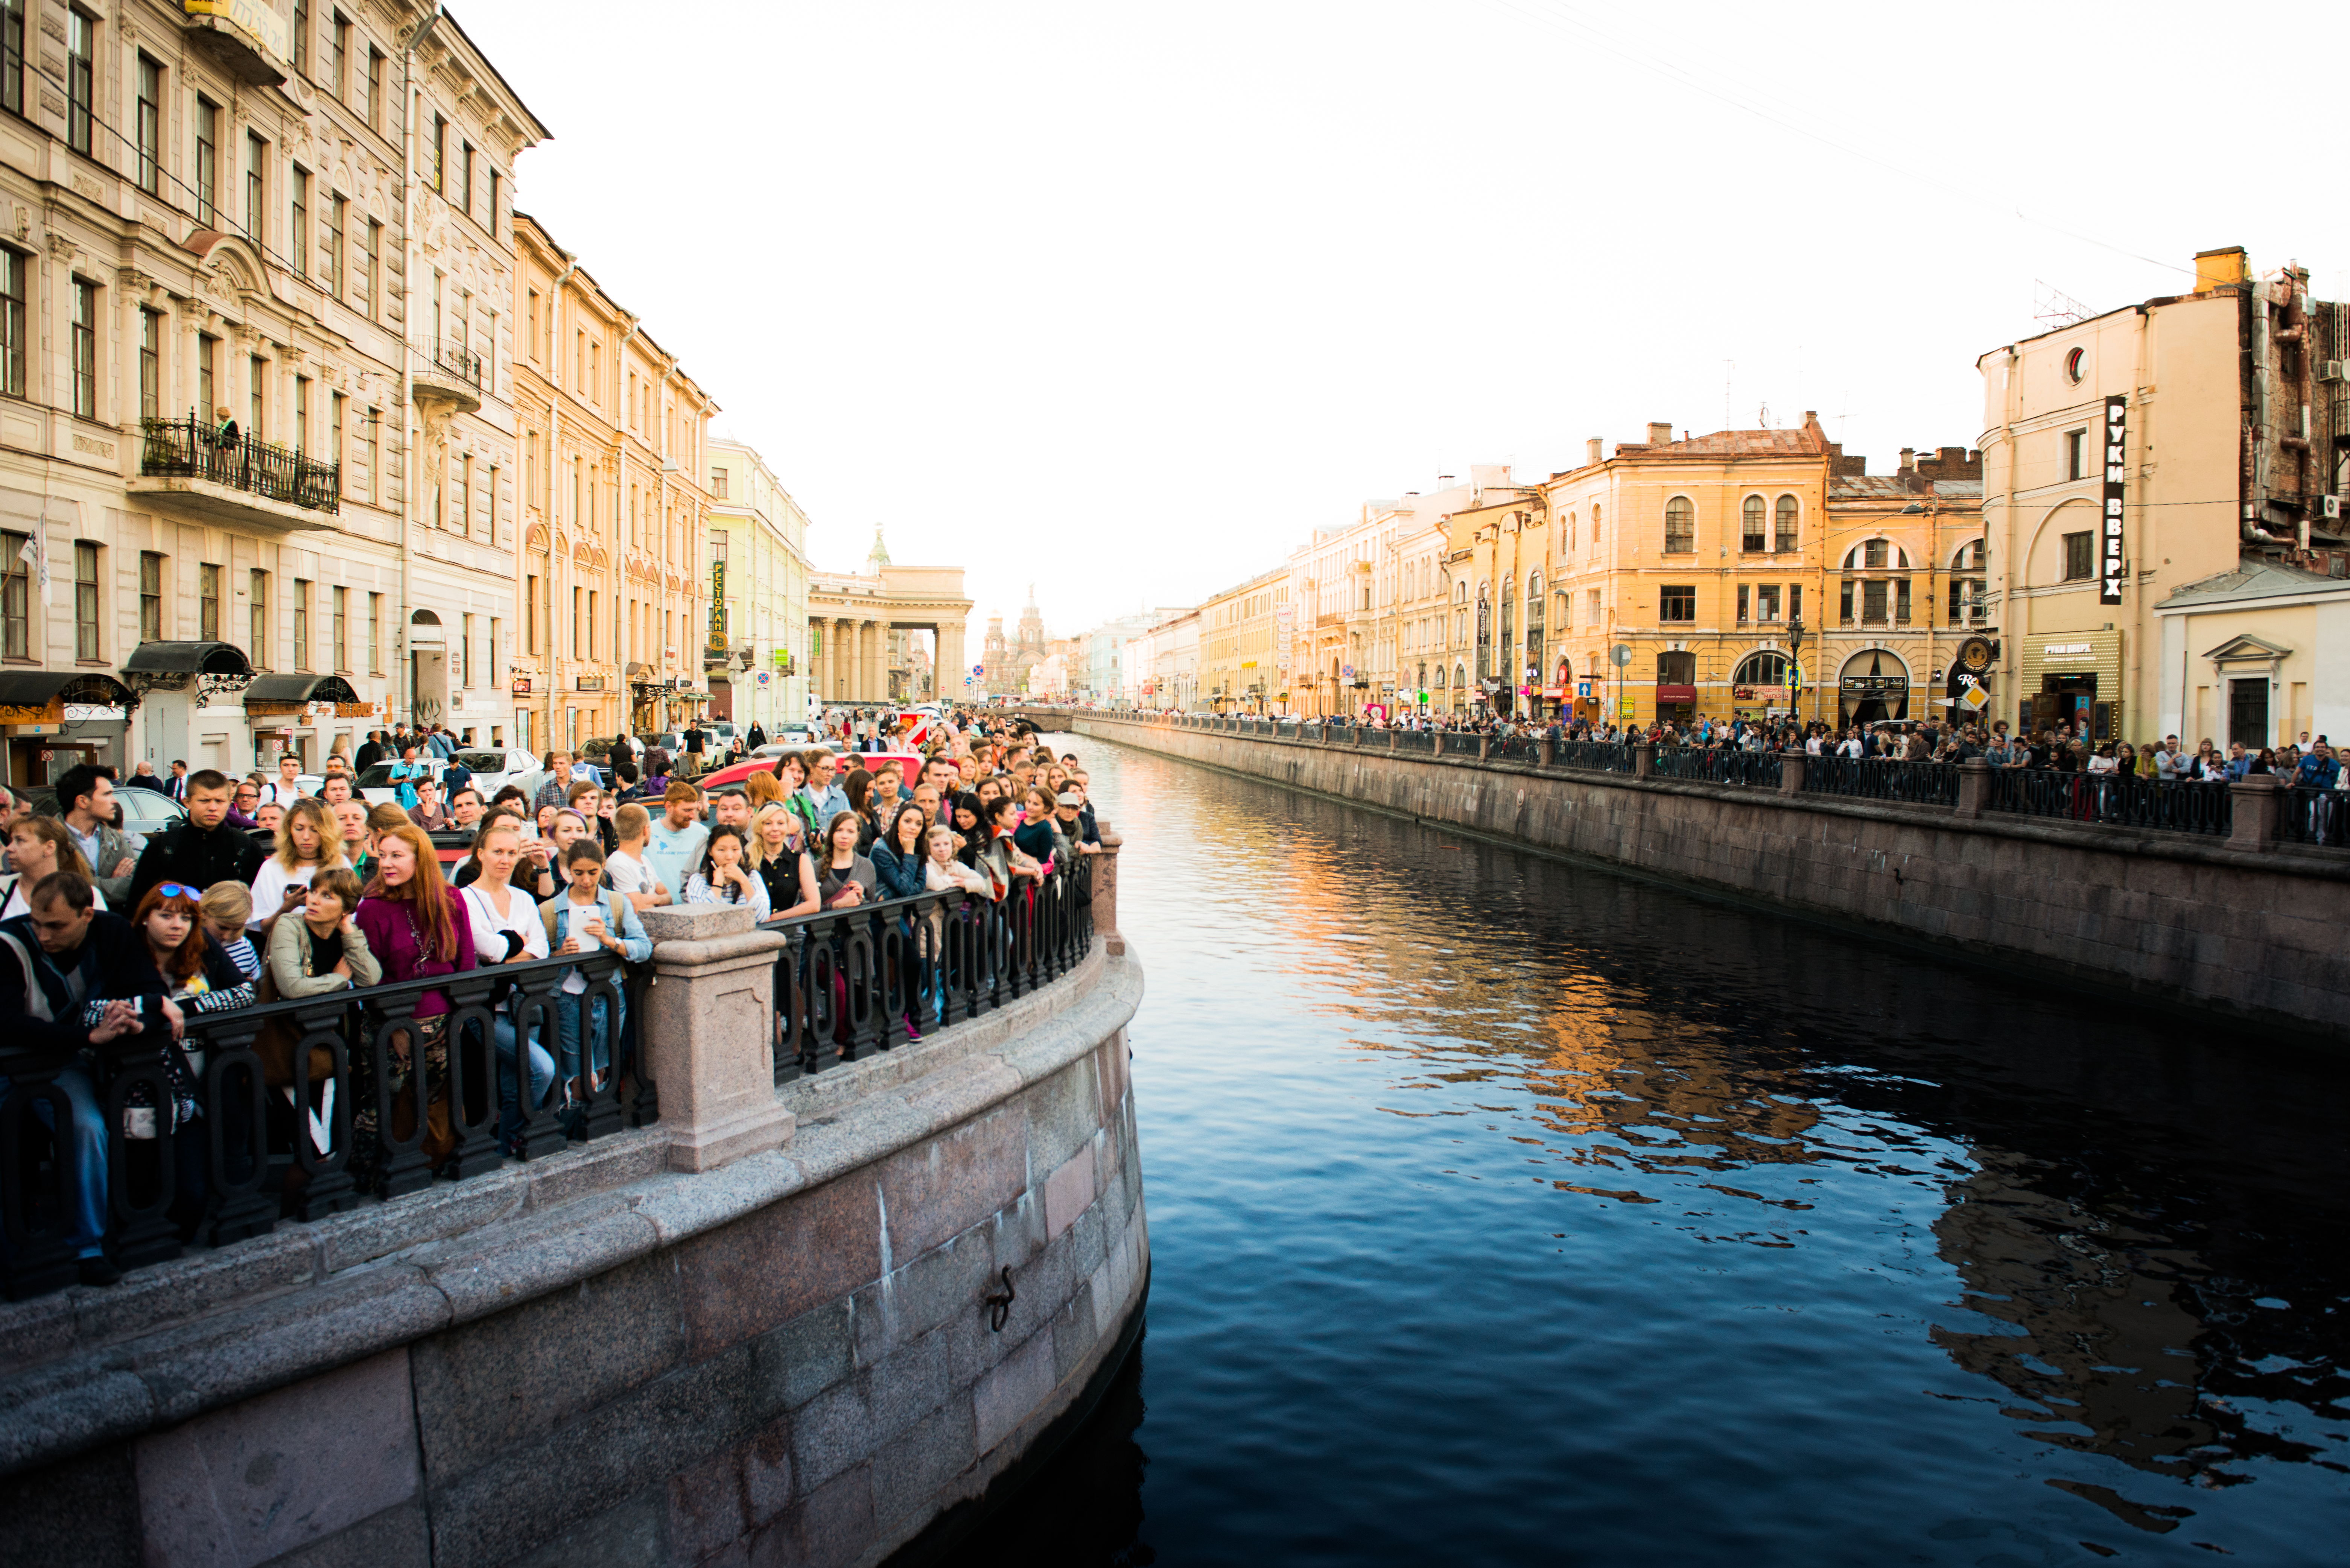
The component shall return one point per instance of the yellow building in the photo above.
(614, 584)
(1236, 640)
(2259, 655)
(1694, 554)
(2136, 452)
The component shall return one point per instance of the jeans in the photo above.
(85, 1159)
(512, 1111)
(569, 1011)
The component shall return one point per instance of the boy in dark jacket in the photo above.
(201, 848)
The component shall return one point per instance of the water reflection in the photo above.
(1814, 1252)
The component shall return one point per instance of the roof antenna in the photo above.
(2051, 307)
(1764, 415)
(1727, 367)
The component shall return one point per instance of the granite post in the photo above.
(709, 1033)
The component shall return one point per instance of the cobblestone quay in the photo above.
(796, 1324)
(2237, 924)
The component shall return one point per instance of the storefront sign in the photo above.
(522, 686)
(1675, 694)
(1874, 685)
(2110, 551)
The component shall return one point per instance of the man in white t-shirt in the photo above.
(283, 788)
(675, 843)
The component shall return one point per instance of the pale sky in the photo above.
(1123, 299)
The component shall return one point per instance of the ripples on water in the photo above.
(1505, 1211)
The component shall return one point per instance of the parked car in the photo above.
(492, 770)
(909, 763)
(375, 783)
(140, 811)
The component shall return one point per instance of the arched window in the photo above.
(1763, 669)
(1751, 536)
(1970, 557)
(1460, 675)
(1789, 513)
(1440, 678)
(1967, 604)
(1484, 634)
(1509, 622)
(1680, 526)
(1594, 523)
(1570, 531)
(1876, 556)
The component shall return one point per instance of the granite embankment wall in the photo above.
(601, 1359)
(2253, 935)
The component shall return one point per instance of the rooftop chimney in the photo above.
(1594, 445)
(2220, 268)
(1908, 457)
(1443, 482)
(1660, 433)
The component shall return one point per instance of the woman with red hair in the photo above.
(416, 928)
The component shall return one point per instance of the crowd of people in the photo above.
(263, 891)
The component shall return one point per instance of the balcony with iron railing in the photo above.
(192, 465)
(446, 372)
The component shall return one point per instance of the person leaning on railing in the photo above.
(504, 923)
(54, 961)
(417, 928)
(582, 919)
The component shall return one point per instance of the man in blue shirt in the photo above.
(673, 849)
(2319, 770)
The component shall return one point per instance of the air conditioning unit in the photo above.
(2330, 508)
(2332, 372)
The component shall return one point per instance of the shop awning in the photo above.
(39, 688)
(299, 688)
(187, 659)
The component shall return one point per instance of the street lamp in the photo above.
(1795, 646)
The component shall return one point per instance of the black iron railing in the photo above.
(854, 981)
(1718, 764)
(1595, 756)
(1415, 741)
(191, 449)
(2308, 815)
(1883, 778)
(448, 361)
(307, 1108)
(1513, 749)
(2121, 800)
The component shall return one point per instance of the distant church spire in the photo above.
(880, 555)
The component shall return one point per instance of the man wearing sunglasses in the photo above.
(201, 848)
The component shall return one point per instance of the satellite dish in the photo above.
(1620, 655)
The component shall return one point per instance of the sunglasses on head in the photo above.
(180, 890)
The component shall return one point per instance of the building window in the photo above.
(1766, 602)
(207, 162)
(16, 601)
(208, 621)
(332, 273)
(717, 483)
(2076, 454)
(1680, 526)
(150, 596)
(147, 125)
(465, 183)
(374, 633)
(577, 618)
(257, 620)
(1677, 604)
(1761, 670)
(84, 349)
(491, 221)
(2080, 557)
(256, 163)
(302, 36)
(12, 323)
(339, 57)
(82, 80)
(375, 89)
(438, 170)
(465, 652)
(299, 235)
(335, 401)
(340, 649)
(371, 287)
(302, 414)
(1789, 511)
(254, 428)
(12, 67)
(1795, 601)
(301, 623)
(530, 615)
(86, 644)
(1743, 617)
(1751, 536)
(461, 514)
(150, 364)
(490, 483)
(374, 423)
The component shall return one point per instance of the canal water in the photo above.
(1504, 1211)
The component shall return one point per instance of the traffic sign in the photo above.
(1620, 655)
(979, 670)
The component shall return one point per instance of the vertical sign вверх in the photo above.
(2110, 550)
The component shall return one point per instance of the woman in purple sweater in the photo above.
(416, 928)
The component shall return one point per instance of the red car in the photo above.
(909, 763)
